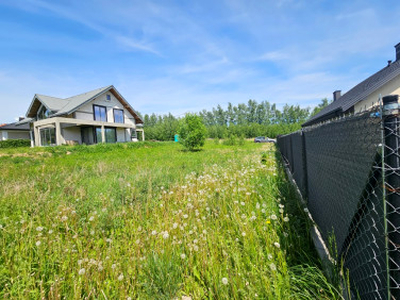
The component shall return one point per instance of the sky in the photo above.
(183, 56)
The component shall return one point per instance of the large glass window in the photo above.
(100, 113)
(118, 116)
(43, 113)
(110, 133)
(48, 136)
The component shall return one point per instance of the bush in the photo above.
(192, 132)
(15, 143)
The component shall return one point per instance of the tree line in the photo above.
(246, 120)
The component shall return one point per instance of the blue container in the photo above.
(176, 138)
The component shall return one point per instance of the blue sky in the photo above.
(185, 56)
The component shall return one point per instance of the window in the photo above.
(43, 113)
(48, 136)
(100, 113)
(108, 97)
(110, 133)
(118, 116)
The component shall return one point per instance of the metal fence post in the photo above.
(305, 176)
(392, 186)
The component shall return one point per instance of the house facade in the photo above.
(364, 95)
(98, 116)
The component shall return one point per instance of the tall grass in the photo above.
(151, 221)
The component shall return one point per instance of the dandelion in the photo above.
(91, 218)
(38, 243)
(165, 235)
(100, 268)
(268, 222)
(120, 277)
(243, 233)
(113, 266)
(82, 271)
(64, 218)
(272, 266)
(269, 256)
(281, 210)
(185, 216)
(273, 217)
(39, 228)
(224, 280)
(196, 248)
(108, 240)
(286, 219)
(277, 245)
(154, 232)
(183, 255)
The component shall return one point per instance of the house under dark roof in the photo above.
(345, 104)
(15, 126)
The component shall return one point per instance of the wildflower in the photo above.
(82, 271)
(108, 240)
(225, 280)
(185, 216)
(273, 217)
(113, 266)
(243, 233)
(100, 268)
(286, 219)
(64, 218)
(154, 232)
(277, 245)
(253, 218)
(183, 256)
(91, 218)
(38, 243)
(165, 235)
(121, 277)
(272, 266)
(268, 222)
(196, 248)
(269, 256)
(39, 228)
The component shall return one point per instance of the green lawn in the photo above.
(151, 221)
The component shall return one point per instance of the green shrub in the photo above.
(15, 143)
(192, 132)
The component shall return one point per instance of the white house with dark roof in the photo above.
(364, 95)
(13, 132)
(99, 116)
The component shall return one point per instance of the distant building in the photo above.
(13, 132)
(364, 95)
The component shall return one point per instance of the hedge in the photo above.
(15, 143)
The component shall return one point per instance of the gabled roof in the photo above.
(59, 107)
(15, 126)
(357, 93)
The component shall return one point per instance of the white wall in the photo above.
(86, 112)
(71, 134)
(16, 135)
(391, 88)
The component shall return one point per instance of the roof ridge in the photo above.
(98, 89)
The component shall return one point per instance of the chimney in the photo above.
(397, 47)
(337, 95)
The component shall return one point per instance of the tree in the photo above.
(324, 103)
(192, 132)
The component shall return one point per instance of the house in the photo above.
(364, 95)
(99, 116)
(13, 132)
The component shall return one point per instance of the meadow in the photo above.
(151, 221)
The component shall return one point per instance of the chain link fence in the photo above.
(348, 171)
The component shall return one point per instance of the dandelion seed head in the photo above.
(224, 280)
(120, 277)
(273, 217)
(39, 228)
(82, 271)
(277, 245)
(272, 266)
(183, 255)
(38, 243)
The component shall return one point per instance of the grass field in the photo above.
(151, 221)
